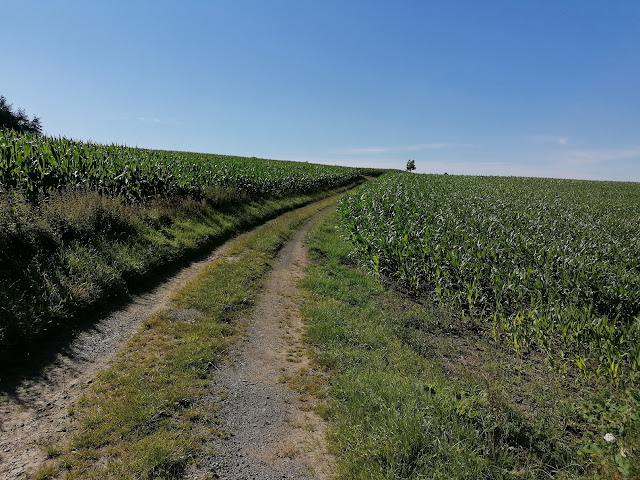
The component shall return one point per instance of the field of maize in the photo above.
(543, 263)
(82, 222)
(39, 164)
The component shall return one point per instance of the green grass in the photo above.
(416, 391)
(148, 414)
(73, 250)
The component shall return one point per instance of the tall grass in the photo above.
(70, 251)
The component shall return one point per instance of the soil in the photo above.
(273, 432)
(270, 434)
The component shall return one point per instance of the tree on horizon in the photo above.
(411, 165)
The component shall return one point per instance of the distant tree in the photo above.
(17, 120)
(411, 165)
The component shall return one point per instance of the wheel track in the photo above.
(273, 432)
(34, 413)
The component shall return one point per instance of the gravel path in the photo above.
(270, 435)
(273, 434)
(34, 413)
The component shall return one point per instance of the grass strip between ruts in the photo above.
(147, 415)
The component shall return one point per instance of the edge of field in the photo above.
(412, 390)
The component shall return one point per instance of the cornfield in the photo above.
(549, 264)
(37, 165)
(82, 222)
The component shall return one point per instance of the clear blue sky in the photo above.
(535, 88)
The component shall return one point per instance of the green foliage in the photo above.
(58, 257)
(37, 164)
(411, 165)
(80, 221)
(19, 120)
(398, 413)
(72, 250)
(549, 264)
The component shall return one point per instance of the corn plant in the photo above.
(550, 264)
(37, 165)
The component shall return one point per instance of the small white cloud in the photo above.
(590, 157)
(156, 120)
(557, 140)
(427, 146)
(366, 150)
(399, 148)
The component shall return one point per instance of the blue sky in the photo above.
(541, 88)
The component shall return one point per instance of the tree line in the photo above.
(17, 120)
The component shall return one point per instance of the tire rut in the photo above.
(272, 431)
(34, 413)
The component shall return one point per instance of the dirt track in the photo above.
(35, 413)
(266, 439)
(273, 434)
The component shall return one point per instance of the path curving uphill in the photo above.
(271, 436)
